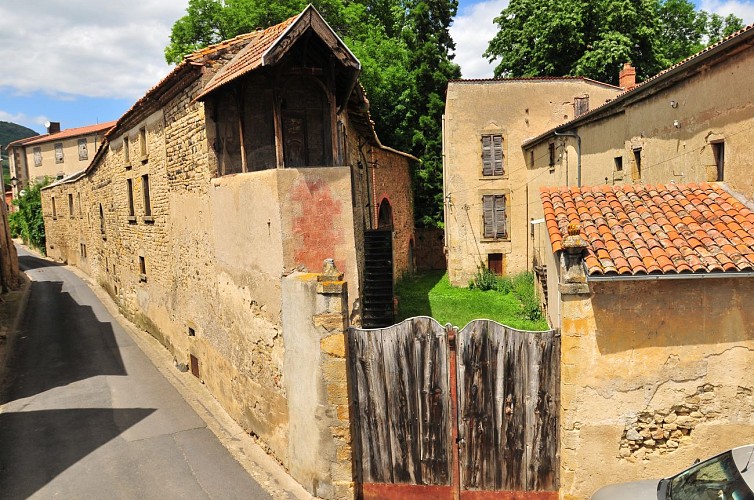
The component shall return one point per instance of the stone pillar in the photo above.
(575, 330)
(315, 319)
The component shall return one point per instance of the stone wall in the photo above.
(205, 271)
(649, 383)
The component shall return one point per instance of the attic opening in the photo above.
(275, 104)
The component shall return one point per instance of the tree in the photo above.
(594, 38)
(27, 222)
(430, 55)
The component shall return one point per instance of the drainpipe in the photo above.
(578, 152)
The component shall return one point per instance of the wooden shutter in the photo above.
(487, 167)
(488, 208)
(497, 148)
(500, 229)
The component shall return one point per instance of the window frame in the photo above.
(493, 155)
(83, 151)
(130, 196)
(37, 153)
(495, 216)
(59, 153)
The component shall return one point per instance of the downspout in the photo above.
(578, 153)
(445, 197)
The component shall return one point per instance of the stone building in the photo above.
(693, 122)
(56, 154)
(209, 205)
(487, 217)
(652, 291)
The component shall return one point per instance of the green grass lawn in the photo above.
(430, 294)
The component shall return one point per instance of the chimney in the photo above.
(53, 128)
(627, 77)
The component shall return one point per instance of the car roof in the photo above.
(743, 456)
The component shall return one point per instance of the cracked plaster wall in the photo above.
(654, 375)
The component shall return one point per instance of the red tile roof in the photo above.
(250, 57)
(71, 132)
(632, 230)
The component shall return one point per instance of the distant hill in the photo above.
(10, 132)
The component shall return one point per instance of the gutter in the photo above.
(663, 277)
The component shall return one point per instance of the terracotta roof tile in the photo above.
(669, 229)
(70, 132)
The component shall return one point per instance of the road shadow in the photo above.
(27, 262)
(26, 465)
(60, 342)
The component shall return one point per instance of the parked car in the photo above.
(727, 476)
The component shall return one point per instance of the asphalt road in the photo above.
(85, 414)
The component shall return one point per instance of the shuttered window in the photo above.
(494, 216)
(492, 154)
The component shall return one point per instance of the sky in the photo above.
(80, 62)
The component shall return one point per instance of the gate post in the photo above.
(315, 318)
(455, 468)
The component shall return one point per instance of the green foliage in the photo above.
(430, 294)
(430, 50)
(593, 39)
(405, 50)
(27, 222)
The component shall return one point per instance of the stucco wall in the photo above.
(517, 109)
(709, 106)
(71, 162)
(654, 375)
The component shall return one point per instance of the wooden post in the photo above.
(455, 468)
(240, 90)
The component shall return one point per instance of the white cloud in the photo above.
(472, 31)
(108, 49)
(743, 9)
(32, 122)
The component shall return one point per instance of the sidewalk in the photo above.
(263, 468)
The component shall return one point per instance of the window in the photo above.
(718, 150)
(83, 250)
(70, 204)
(492, 154)
(59, 152)
(130, 189)
(38, 157)
(102, 222)
(142, 269)
(147, 202)
(551, 151)
(83, 152)
(54, 210)
(580, 106)
(619, 163)
(493, 207)
(78, 200)
(126, 153)
(637, 164)
(143, 143)
(495, 263)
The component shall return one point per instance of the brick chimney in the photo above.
(53, 128)
(627, 77)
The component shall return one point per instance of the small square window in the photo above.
(59, 152)
(83, 152)
(191, 332)
(619, 163)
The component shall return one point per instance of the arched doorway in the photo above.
(385, 215)
(307, 127)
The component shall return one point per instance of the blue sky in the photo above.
(81, 63)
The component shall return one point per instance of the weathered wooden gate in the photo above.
(418, 387)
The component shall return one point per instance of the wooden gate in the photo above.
(417, 387)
